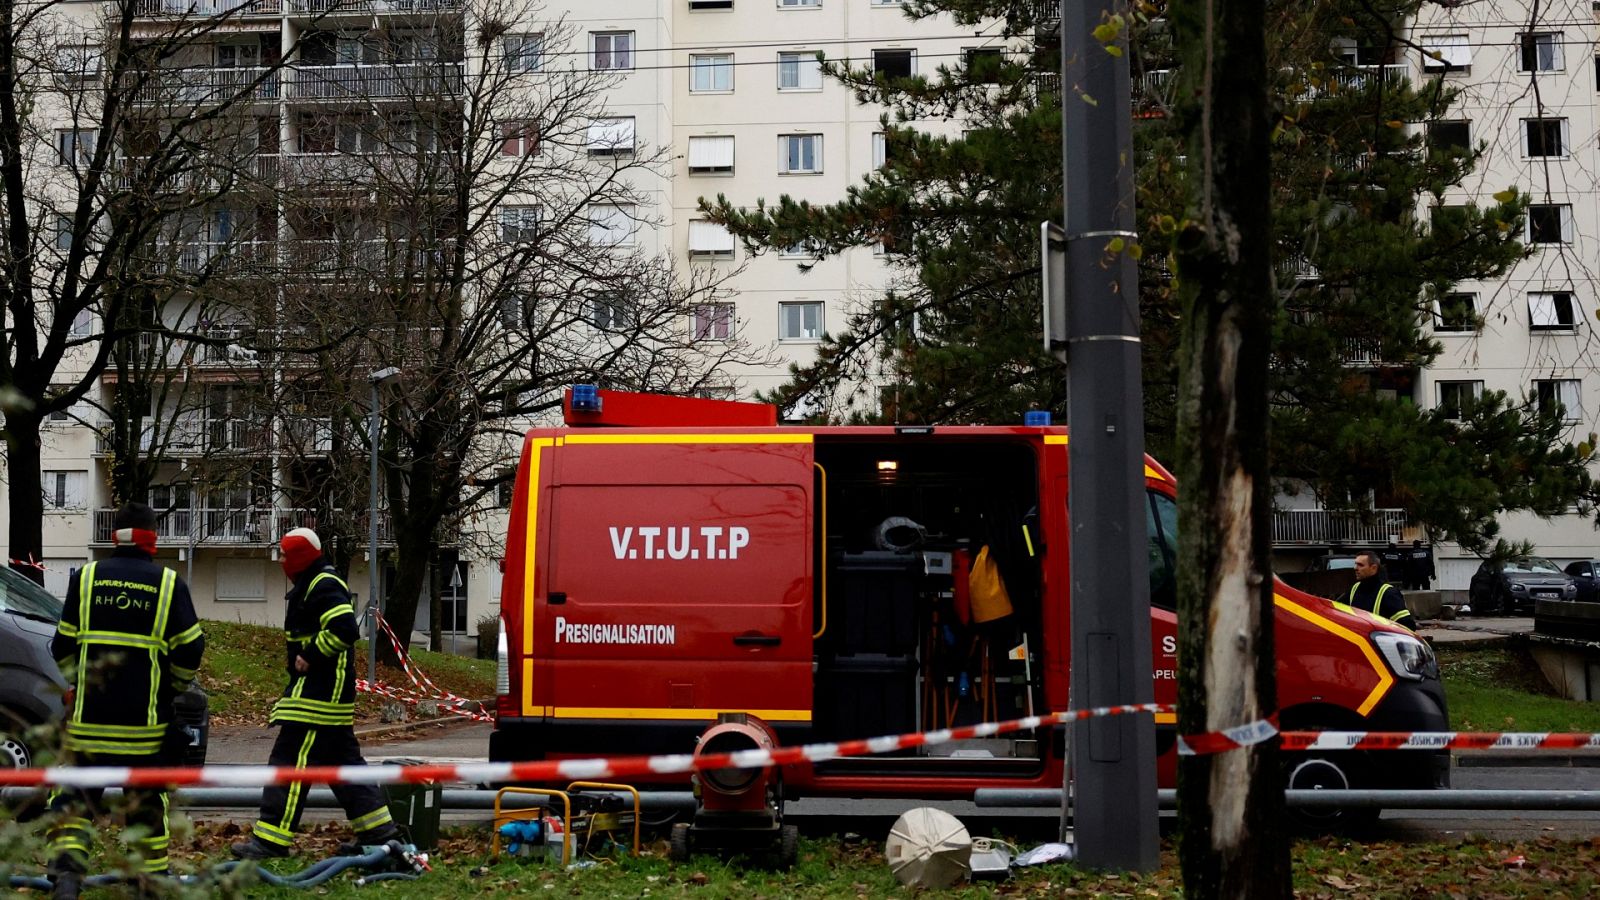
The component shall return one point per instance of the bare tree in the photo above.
(107, 138)
(488, 225)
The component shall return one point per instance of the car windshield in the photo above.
(1533, 564)
(23, 597)
(1339, 562)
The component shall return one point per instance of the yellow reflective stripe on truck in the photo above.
(1385, 680)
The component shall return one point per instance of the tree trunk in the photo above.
(1232, 840)
(26, 537)
(413, 550)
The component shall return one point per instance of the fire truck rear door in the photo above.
(680, 579)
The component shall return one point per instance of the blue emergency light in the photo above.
(1033, 417)
(585, 398)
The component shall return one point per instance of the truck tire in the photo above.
(788, 846)
(1328, 771)
(678, 843)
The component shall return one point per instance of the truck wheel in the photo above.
(788, 846)
(14, 751)
(678, 844)
(1328, 772)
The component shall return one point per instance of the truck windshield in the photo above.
(1161, 534)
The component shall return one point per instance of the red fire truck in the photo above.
(694, 558)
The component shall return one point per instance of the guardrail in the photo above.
(1326, 526)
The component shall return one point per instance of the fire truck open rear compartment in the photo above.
(901, 645)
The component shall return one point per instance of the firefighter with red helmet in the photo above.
(128, 644)
(316, 714)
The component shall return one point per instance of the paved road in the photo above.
(871, 818)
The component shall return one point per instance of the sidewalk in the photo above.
(1474, 632)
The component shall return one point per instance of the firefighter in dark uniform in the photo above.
(316, 714)
(128, 644)
(1375, 595)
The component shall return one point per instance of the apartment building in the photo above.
(730, 90)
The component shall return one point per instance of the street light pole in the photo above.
(374, 570)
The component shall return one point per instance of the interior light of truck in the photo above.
(888, 465)
(1407, 656)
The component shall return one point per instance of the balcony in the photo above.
(1349, 79)
(332, 257)
(363, 170)
(218, 257)
(208, 85)
(1316, 527)
(370, 7)
(186, 436)
(308, 437)
(200, 526)
(198, 9)
(405, 81)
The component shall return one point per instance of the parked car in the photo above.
(1586, 574)
(31, 686)
(1510, 588)
(1334, 562)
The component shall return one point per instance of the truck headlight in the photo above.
(1407, 656)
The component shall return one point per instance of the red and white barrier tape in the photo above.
(1438, 740)
(411, 699)
(544, 770)
(448, 702)
(1229, 739)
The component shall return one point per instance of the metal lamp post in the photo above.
(375, 571)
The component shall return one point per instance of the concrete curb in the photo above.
(376, 731)
(1517, 760)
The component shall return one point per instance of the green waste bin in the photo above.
(415, 808)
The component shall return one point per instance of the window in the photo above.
(519, 139)
(519, 224)
(238, 56)
(880, 149)
(800, 71)
(1540, 52)
(1161, 541)
(709, 239)
(1457, 312)
(808, 248)
(64, 489)
(702, 5)
(241, 580)
(63, 239)
(983, 64)
(1551, 311)
(1450, 135)
(1559, 395)
(711, 154)
(1446, 53)
(1454, 396)
(799, 4)
(713, 322)
(504, 490)
(514, 312)
(80, 61)
(894, 63)
(609, 312)
(711, 73)
(82, 323)
(799, 321)
(75, 147)
(523, 52)
(611, 137)
(1550, 224)
(611, 50)
(800, 154)
(611, 225)
(1544, 137)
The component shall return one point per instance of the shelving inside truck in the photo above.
(904, 647)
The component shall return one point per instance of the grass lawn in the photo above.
(243, 671)
(1501, 689)
(1324, 868)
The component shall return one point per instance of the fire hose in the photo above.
(393, 861)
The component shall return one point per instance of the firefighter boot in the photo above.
(255, 848)
(66, 878)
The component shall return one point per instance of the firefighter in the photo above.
(1376, 595)
(128, 644)
(316, 714)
